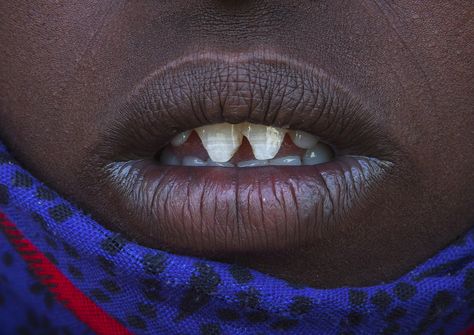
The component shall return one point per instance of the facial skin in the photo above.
(63, 67)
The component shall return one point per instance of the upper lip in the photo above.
(263, 88)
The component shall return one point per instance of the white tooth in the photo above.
(265, 141)
(180, 138)
(302, 139)
(193, 161)
(252, 163)
(168, 158)
(224, 164)
(319, 154)
(287, 160)
(220, 140)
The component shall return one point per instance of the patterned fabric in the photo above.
(49, 249)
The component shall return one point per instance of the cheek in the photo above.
(45, 44)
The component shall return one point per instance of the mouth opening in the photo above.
(244, 145)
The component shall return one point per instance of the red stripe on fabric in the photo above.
(49, 275)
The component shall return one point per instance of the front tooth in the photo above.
(180, 138)
(265, 140)
(302, 139)
(220, 140)
(321, 153)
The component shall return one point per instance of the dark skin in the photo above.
(63, 65)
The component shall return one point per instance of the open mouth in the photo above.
(223, 154)
(244, 145)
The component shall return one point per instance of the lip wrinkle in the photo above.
(146, 122)
(220, 212)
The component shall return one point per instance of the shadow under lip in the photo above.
(213, 210)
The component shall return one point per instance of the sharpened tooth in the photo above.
(265, 140)
(193, 161)
(181, 138)
(220, 140)
(321, 153)
(287, 160)
(302, 139)
(252, 163)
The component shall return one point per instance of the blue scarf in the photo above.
(63, 273)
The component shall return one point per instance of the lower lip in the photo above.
(218, 211)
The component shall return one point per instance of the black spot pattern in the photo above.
(284, 324)
(396, 313)
(23, 330)
(51, 257)
(440, 302)
(50, 241)
(75, 272)
(4, 195)
(60, 213)
(154, 263)
(22, 180)
(113, 244)
(357, 298)
(452, 316)
(241, 274)
(381, 299)
(136, 322)
(392, 328)
(99, 295)
(147, 310)
(110, 286)
(106, 265)
(405, 291)
(40, 324)
(45, 193)
(48, 300)
(32, 318)
(257, 316)
(151, 289)
(300, 305)
(249, 298)
(71, 251)
(469, 279)
(202, 285)
(39, 219)
(227, 314)
(37, 288)
(354, 318)
(210, 329)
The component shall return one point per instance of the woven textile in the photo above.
(57, 265)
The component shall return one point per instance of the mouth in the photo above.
(220, 154)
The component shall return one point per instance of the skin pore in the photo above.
(65, 66)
